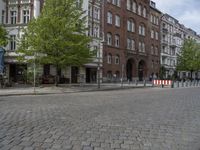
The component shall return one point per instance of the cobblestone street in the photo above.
(134, 119)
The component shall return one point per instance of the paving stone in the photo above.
(139, 119)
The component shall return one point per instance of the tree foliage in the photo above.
(57, 36)
(3, 36)
(189, 58)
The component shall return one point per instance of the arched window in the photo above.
(117, 40)
(109, 38)
(142, 29)
(117, 59)
(134, 7)
(130, 25)
(117, 20)
(109, 17)
(130, 44)
(144, 12)
(109, 59)
(128, 4)
(139, 10)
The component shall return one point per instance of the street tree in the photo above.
(57, 36)
(3, 36)
(189, 58)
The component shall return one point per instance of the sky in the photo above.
(186, 11)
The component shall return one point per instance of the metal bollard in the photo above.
(172, 86)
(178, 84)
(144, 83)
(182, 83)
(136, 82)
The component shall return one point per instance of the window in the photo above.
(117, 21)
(130, 26)
(134, 8)
(130, 44)
(13, 17)
(152, 49)
(26, 16)
(144, 12)
(152, 34)
(96, 13)
(140, 10)
(116, 2)
(142, 30)
(117, 59)
(96, 31)
(156, 50)
(109, 59)
(2, 16)
(128, 4)
(157, 21)
(141, 47)
(117, 40)
(151, 18)
(109, 38)
(109, 17)
(156, 35)
(12, 42)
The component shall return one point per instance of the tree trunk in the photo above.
(56, 76)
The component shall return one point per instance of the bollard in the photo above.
(172, 86)
(136, 82)
(144, 83)
(178, 84)
(182, 83)
(162, 85)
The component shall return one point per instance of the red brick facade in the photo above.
(135, 63)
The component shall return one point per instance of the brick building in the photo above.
(127, 48)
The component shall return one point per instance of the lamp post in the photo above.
(34, 74)
(98, 66)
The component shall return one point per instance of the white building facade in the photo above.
(173, 35)
(171, 42)
(17, 13)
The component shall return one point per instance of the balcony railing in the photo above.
(165, 30)
(13, 2)
(25, 1)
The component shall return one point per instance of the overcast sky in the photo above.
(186, 11)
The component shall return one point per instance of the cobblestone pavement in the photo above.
(135, 119)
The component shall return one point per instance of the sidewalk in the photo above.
(66, 88)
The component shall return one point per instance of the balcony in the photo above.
(164, 42)
(130, 51)
(165, 30)
(177, 35)
(173, 45)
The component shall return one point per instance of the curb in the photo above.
(78, 91)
